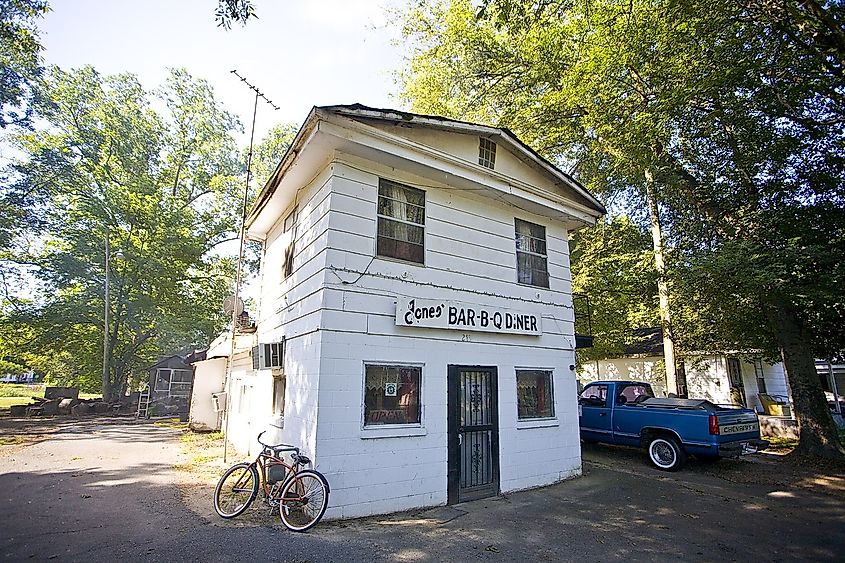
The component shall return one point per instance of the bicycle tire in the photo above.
(242, 492)
(296, 515)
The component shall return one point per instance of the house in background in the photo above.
(719, 378)
(170, 381)
(415, 335)
(28, 377)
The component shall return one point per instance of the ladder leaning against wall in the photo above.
(143, 403)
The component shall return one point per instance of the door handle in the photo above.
(460, 439)
(602, 414)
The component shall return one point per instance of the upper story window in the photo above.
(401, 222)
(531, 259)
(486, 153)
(290, 220)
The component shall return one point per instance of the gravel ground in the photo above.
(109, 489)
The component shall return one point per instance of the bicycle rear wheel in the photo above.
(236, 490)
(304, 500)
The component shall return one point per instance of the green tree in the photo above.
(159, 187)
(613, 265)
(728, 120)
(20, 58)
(267, 154)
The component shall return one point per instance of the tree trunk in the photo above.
(818, 435)
(662, 286)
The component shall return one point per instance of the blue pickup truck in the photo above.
(627, 413)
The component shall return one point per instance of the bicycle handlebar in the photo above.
(279, 447)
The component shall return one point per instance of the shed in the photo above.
(170, 381)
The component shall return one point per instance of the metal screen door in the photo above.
(473, 433)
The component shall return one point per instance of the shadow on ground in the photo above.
(106, 492)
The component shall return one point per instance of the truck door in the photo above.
(594, 412)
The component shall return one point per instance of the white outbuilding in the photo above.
(415, 327)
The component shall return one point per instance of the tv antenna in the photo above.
(236, 301)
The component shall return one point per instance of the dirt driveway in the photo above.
(105, 490)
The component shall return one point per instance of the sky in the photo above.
(298, 53)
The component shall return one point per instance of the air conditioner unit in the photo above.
(218, 401)
(269, 355)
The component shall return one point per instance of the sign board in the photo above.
(434, 313)
(390, 389)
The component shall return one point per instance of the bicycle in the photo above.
(300, 495)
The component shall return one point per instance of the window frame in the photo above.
(621, 392)
(184, 386)
(603, 386)
(159, 371)
(519, 251)
(263, 353)
(550, 392)
(760, 376)
(388, 427)
(292, 216)
(380, 217)
(486, 153)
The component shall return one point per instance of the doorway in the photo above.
(735, 379)
(473, 428)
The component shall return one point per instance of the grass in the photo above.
(202, 438)
(172, 423)
(22, 394)
(6, 402)
(781, 445)
(14, 440)
(21, 390)
(204, 451)
(786, 445)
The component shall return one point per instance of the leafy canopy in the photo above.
(159, 185)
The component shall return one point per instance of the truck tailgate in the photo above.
(737, 424)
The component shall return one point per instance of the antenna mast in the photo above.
(241, 241)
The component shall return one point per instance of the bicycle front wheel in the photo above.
(236, 490)
(304, 500)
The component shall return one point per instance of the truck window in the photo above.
(635, 394)
(594, 396)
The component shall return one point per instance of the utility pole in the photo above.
(238, 270)
(106, 383)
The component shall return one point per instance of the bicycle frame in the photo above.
(298, 492)
(263, 463)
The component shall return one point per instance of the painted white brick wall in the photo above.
(335, 320)
(372, 473)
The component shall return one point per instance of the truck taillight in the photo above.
(714, 424)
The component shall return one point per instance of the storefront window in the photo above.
(392, 395)
(535, 398)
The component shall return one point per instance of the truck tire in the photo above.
(666, 453)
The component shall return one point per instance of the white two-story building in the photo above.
(415, 324)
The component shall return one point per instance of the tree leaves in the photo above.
(20, 58)
(161, 185)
